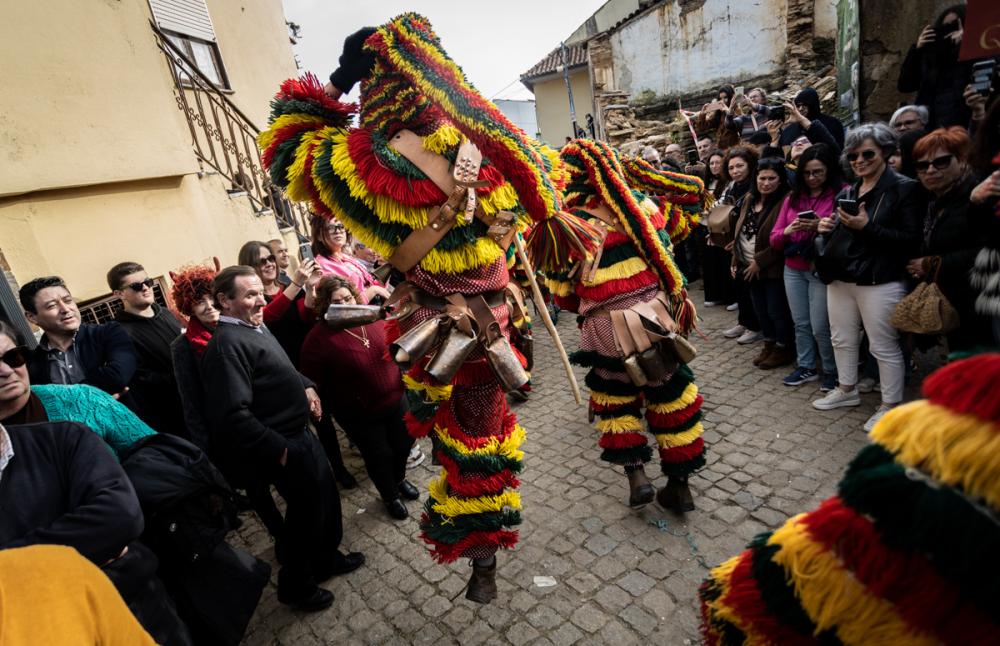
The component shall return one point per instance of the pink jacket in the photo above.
(351, 269)
(821, 204)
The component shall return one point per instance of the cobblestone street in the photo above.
(619, 579)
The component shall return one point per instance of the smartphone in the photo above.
(693, 157)
(738, 97)
(982, 73)
(305, 251)
(850, 207)
(807, 215)
(777, 113)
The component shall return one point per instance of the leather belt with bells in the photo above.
(459, 182)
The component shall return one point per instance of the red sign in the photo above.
(982, 30)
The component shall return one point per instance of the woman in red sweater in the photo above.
(364, 392)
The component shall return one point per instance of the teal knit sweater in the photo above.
(114, 422)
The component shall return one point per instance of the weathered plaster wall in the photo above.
(701, 45)
(552, 106)
(610, 13)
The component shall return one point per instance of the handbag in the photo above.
(926, 310)
(833, 260)
(720, 223)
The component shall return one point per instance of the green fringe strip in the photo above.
(682, 469)
(457, 528)
(635, 411)
(622, 457)
(477, 462)
(420, 409)
(593, 359)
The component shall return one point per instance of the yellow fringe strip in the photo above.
(686, 399)
(508, 447)
(618, 425)
(834, 599)
(559, 289)
(611, 400)
(297, 171)
(431, 393)
(443, 139)
(451, 507)
(624, 269)
(484, 252)
(265, 138)
(680, 439)
(957, 449)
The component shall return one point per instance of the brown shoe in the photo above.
(483, 584)
(641, 491)
(780, 356)
(435, 447)
(676, 495)
(769, 347)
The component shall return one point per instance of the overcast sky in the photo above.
(494, 42)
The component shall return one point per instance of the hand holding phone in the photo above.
(982, 75)
(850, 207)
(693, 156)
(807, 215)
(306, 252)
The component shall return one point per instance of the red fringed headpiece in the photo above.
(968, 386)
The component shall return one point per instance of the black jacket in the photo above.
(187, 371)
(939, 79)
(154, 373)
(879, 252)
(257, 397)
(833, 126)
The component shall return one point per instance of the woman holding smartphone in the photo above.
(819, 179)
(878, 223)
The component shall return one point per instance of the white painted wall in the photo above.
(610, 13)
(723, 41)
(825, 19)
(521, 114)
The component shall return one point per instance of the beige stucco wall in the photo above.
(163, 224)
(552, 106)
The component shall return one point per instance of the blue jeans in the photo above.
(807, 300)
(771, 306)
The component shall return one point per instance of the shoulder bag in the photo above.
(926, 310)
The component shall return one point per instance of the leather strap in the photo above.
(515, 292)
(607, 216)
(484, 317)
(637, 332)
(436, 167)
(623, 338)
(418, 243)
(467, 164)
(423, 299)
(461, 316)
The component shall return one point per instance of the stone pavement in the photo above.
(619, 579)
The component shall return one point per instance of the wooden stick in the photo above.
(547, 320)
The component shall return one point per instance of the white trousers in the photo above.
(850, 306)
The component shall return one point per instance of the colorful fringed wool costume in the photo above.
(356, 176)
(905, 554)
(635, 265)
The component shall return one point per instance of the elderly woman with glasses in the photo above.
(954, 230)
(329, 245)
(910, 117)
(861, 256)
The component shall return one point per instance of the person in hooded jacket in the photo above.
(807, 112)
(932, 70)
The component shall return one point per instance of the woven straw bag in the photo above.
(926, 310)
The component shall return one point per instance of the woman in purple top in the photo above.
(817, 182)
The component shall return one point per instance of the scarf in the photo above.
(197, 335)
(935, 205)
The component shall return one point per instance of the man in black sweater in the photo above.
(152, 330)
(60, 485)
(260, 408)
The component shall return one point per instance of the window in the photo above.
(205, 56)
(189, 27)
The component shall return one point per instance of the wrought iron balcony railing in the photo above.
(225, 138)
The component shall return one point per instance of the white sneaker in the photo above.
(873, 420)
(733, 307)
(866, 385)
(750, 337)
(734, 332)
(712, 303)
(415, 458)
(837, 398)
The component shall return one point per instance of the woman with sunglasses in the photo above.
(954, 230)
(329, 245)
(738, 170)
(818, 180)
(761, 264)
(862, 259)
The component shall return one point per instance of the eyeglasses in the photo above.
(15, 357)
(773, 160)
(337, 228)
(801, 142)
(140, 285)
(264, 261)
(903, 125)
(814, 173)
(940, 163)
(867, 155)
(800, 106)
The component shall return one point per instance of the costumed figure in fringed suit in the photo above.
(906, 553)
(437, 181)
(636, 313)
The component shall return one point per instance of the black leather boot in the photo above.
(676, 495)
(483, 584)
(641, 491)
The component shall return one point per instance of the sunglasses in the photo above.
(908, 123)
(15, 357)
(337, 228)
(271, 259)
(940, 163)
(867, 155)
(140, 285)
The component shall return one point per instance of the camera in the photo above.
(777, 113)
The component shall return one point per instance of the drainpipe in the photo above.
(569, 90)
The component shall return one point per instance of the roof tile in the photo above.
(576, 55)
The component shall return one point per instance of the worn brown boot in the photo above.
(779, 356)
(641, 491)
(483, 584)
(676, 495)
(435, 447)
(769, 347)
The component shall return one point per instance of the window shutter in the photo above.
(188, 17)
